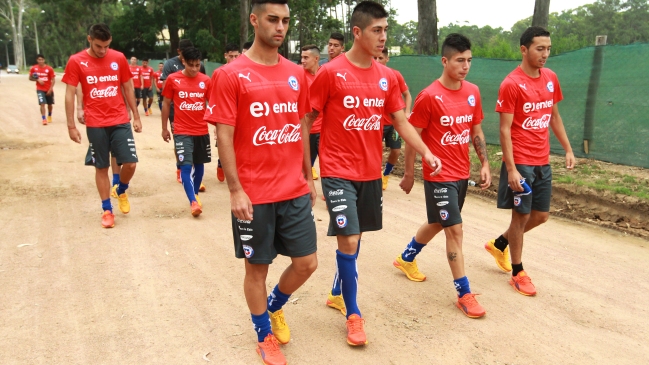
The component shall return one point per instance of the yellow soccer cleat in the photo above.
(337, 302)
(113, 191)
(502, 258)
(409, 268)
(385, 179)
(123, 204)
(314, 173)
(49, 119)
(198, 200)
(280, 328)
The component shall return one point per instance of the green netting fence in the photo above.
(209, 66)
(605, 90)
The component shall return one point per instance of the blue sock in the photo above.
(121, 188)
(462, 286)
(42, 116)
(186, 172)
(199, 170)
(348, 281)
(115, 179)
(106, 205)
(277, 299)
(388, 169)
(412, 250)
(335, 288)
(261, 324)
(218, 163)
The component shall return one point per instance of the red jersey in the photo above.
(317, 123)
(403, 87)
(158, 82)
(265, 105)
(447, 117)
(136, 71)
(188, 95)
(147, 75)
(531, 101)
(209, 117)
(45, 74)
(353, 101)
(101, 80)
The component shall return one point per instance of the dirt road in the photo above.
(165, 288)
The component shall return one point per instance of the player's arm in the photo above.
(408, 99)
(306, 161)
(70, 93)
(408, 179)
(412, 138)
(166, 110)
(129, 92)
(480, 146)
(240, 202)
(81, 117)
(556, 123)
(513, 176)
(308, 122)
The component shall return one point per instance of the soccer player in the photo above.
(353, 92)
(528, 104)
(310, 58)
(231, 53)
(136, 71)
(103, 73)
(335, 47)
(448, 114)
(262, 99)
(147, 92)
(158, 84)
(391, 138)
(189, 90)
(44, 76)
(246, 46)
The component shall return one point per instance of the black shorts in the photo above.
(444, 201)
(314, 142)
(43, 98)
(286, 228)
(138, 93)
(160, 97)
(539, 178)
(147, 93)
(391, 137)
(116, 140)
(192, 150)
(354, 206)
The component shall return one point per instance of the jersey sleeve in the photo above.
(319, 90)
(478, 114)
(304, 102)
(211, 96)
(52, 74)
(393, 99)
(226, 100)
(558, 94)
(167, 69)
(124, 70)
(421, 111)
(71, 75)
(168, 92)
(402, 82)
(32, 70)
(507, 96)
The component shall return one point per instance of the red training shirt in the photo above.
(353, 101)
(45, 74)
(136, 71)
(209, 116)
(188, 95)
(147, 74)
(101, 80)
(403, 87)
(317, 123)
(531, 101)
(158, 82)
(447, 117)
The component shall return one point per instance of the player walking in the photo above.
(353, 92)
(528, 104)
(147, 92)
(136, 71)
(44, 76)
(263, 143)
(447, 114)
(189, 90)
(335, 47)
(310, 58)
(158, 84)
(103, 73)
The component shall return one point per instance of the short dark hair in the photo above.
(455, 42)
(256, 3)
(530, 33)
(191, 54)
(161, 63)
(385, 51)
(311, 47)
(145, 60)
(184, 43)
(338, 36)
(40, 56)
(365, 12)
(99, 31)
(247, 45)
(231, 48)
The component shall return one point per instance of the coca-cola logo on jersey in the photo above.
(108, 92)
(199, 105)
(453, 139)
(288, 134)
(372, 123)
(540, 123)
(530, 107)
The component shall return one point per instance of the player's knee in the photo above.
(541, 217)
(454, 232)
(129, 165)
(307, 267)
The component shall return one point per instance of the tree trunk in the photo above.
(541, 13)
(427, 42)
(174, 39)
(244, 14)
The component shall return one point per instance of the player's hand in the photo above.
(313, 194)
(570, 160)
(406, 183)
(514, 180)
(485, 177)
(81, 117)
(434, 162)
(137, 125)
(241, 205)
(49, 92)
(40, 82)
(75, 135)
(166, 136)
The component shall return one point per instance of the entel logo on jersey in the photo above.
(530, 107)
(292, 82)
(351, 102)
(248, 251)
(114, 66)
(289, 133)
(383, 84)
(259, 110)
(185, 94)
(448, 121)
(94, 79)
(471, 100)
(550, 86)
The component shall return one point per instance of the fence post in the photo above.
(593, 86)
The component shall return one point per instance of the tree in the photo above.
(541, 13)
(427, 27)
(244, 18)
(7, 11)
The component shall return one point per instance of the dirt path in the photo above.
(164, 288)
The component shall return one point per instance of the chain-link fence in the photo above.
(605, 108)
